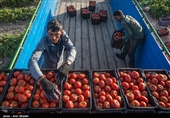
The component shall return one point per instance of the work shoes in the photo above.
(120, 56)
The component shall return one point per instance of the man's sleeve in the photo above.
(128, 32)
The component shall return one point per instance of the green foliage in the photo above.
(11, 15)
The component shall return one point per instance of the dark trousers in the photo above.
(129, 49)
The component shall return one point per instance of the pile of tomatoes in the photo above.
(19, 91)
(103, 13)
(106, 91)
(134, 88)
(71, 8)
(118, 34)
(39, 99)
(3, 80)
(92, 3)
(163, 32)
(76, 91)
(159, 85)
(85, 11)
(95, 16)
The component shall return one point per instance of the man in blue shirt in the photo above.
(52, 47)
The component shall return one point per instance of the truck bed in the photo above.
(93, 42)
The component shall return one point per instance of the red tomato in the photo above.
(73, 75)
(155, 94)
(137, 94)
(19, 89)
(167, 105)
(69, 104)
(77, 84)
(22, 98)
(95, 80)
(144, 93)
(78, 91)
(85, 87)
(80, 98)
(21, 82)
(135, 103)
(42, 100)
(36, 97)
(163, 93)
(142, 86)
(102, 99)
(67, 92)
(106, 105)
(108, 81)
(121, 73)
(13, 82)
(27, 93)
(108, 97)
(5, 103)
(72, 81)
(154, 81)
(153, 75)
(125, 85)
(135, 74)
(73, 97)
(81, 76)
(35, 104)
(167, 83)
(115, 86)
(31, 81)
(10, 95)
(102, 77)
(2, 83)
(30, 87)
(130, 96)
(143, 104)
(119, 99)
(16, 73)
(162, 104)
(27, 77)
(130, 85)
(115, 103)
(99, 105)
(107, 74)
(45, 105)
(65, 98)
(82, 104)
(85, 81)
(135, 87)
(113, 93)
(49, 75)
(152, 87)
(114, 79)
(87, 94)
(20, 76)
(147, 74)
(52, 105)
(42, 94)
(161, 77)
(127, 78)
(67, 86)
(107, 88)
(102, 83)
(163, 99)
(14, 104)
(139, 80)
(143, 98)
(96, 74)
(38, 91)
(162, 83)
(97, 89)
(102, 93)
(160, 87)
(11, 89)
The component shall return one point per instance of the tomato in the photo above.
(5, 103)
(125, 85)
(72, 81)
(154, 81)
(108, 81)
(130, 96)
(135, 87)
(102, 93)
(35, 104)
(21, 82)
(102, 99)
(36, 97)
(45, 105)
(85, 81)
(162, 83)
(99, 105)
(153, 75)
(85, 87)
(106, 105)
(49, 75)
(119, 99)
(19, 89)
(160, 87)
(121, 73)
(2, 83)
(42, 101)
(13, 82)
(31, 81)
(147, 74)
(143, 104)
(14, 104)
(107, 88)
(38, 91)
(167, 105)
(81, 75)
(127, 78)
(67, 86)
(96, 74)
(142, 86)
(27, 77)
(167, 83)
(152, 87)
(73, 75)
(134, 81)
(144, 93)
(97, 89)
(143, 98)
(137, 94)
(135, 103)
(65, 98)
(11, 89)
(108, 97)
(139, 80)
(69, 104)
(130, 85)
(87, 94)
(80, 98)
(77, 84)
(114, 86)
(107, 74)
(161, 77)
(73, 97)
(115, 103)
(30, 87)
(163, 99)
(162, 104)
(114, 79)
(67, 92)
(163, 93)
(113, 93)
(52, 105)
(22, 98)
(82, 104)
(24, 105)
(27, 93)
(102, 77)
(16, 73)
(95, 80)
(101, 83)
(155, 94)
(135, 74)
(10, 95)
(20, 76)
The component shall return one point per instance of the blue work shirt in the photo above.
(52, 55)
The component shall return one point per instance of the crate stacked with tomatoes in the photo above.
(135, 91)
(107, 97)
(19, 90)
(76, 93)
(95, 18)
(117, 41)
(85, 14)
(92, 5)
(39, 103)
(158, 82)
(71, 10)
(103, 15)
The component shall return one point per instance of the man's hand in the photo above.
(62, 75)
(50, 89)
